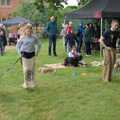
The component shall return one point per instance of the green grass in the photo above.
(67, 94)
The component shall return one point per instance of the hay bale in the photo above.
(97, 63)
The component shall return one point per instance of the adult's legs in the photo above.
(1, 48)
(66, 43)
(79, 45)
(54, 45)
(50, 45)
(108, 64)
(88, 48)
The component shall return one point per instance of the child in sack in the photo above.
(28, 47)
(73, 59)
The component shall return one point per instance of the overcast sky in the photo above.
(72, 2)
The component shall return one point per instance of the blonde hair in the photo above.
(27, 27)
(22, 30)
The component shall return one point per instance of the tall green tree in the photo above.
(52, 4)
(28, 10)
(39, 11)
(83, 2)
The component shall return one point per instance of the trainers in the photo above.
(55, 54)
(25, 85)
(31, 84)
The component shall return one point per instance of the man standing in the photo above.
(108, 40)
(52, 34)
(80, 37)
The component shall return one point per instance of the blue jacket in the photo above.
(80, 32)
(51, 28)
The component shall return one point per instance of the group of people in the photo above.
(69, 43)
(86, 35)
(28, 47)
(73, 42)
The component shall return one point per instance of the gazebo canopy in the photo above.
(97, 9)
(15, 21)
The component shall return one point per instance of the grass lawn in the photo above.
(67, 94)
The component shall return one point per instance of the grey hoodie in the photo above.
(28, 44)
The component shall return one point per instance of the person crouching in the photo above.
(73, 58)
(28, 47)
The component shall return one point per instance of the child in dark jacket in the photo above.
(73, 58)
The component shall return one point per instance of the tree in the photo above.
(83, 2)
(28, 10)
(39, 11)
(52, 4)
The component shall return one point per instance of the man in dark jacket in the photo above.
(52, 34)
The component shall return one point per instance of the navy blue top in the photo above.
(110, 38)
(52, 28)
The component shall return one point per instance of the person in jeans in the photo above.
(87, 40)
(28, 47)
(52, 34)
(3, 39)
(108, 41)
(80, 32)
(1, 42)
(63, 34)
(70, 42)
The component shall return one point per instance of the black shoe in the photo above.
(55, 55)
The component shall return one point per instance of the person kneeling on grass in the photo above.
(28, 47)
(73, 58)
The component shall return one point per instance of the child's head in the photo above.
(1, 26)
(73, 49)
(21, 29)
(52, 18)
(27, 30)
(70, 23)
(87, 26)
(114, 25)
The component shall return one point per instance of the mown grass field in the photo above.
(68, 94)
